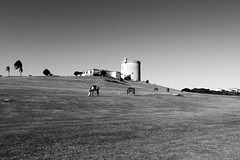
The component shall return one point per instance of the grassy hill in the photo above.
(53, 118)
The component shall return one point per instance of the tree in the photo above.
(46, 72)
(77, 73)
(186, 90)
(18, 65)
(103, 73)
(8, 70)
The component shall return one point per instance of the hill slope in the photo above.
(53, 118)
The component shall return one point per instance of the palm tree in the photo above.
(18, 65)
(8, 70)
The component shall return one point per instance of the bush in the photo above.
(186, 90)
(46, 72)
(103, 73)
(77, 73)
(127, 78)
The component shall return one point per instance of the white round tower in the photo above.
(132, 68)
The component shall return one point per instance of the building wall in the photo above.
(132, 68)
(90, 72)
(113, 74)
(97, 72)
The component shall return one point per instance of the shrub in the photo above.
(46, 72)
(127, 78)
(77, 73)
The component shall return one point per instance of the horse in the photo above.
(92, 89)
(130, 90)
(155, 89)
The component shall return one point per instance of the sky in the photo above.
(180, 43)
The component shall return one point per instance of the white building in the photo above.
(128, 68)
(132, 69)
(100, 72)
(91, 72)
(113, 74)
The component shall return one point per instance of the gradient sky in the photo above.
(180, 43)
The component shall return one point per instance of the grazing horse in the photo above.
(130, 90)
(92, 89)
(155, 89)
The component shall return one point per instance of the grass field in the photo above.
(53, 118)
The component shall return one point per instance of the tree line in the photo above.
(208, 91)
(19, 66)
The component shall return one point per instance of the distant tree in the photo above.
(8, 70)
(103, 73)
(46, 72)
(18, 65)
(186, 90)
(147, 81)
(77, 73)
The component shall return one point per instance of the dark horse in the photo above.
(92, 89)
(155, 89)
(130, 90)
